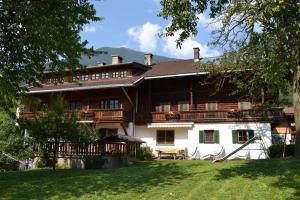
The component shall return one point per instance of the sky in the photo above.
(134, 24)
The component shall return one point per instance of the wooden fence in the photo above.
(67, 149)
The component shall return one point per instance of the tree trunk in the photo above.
(296, 103)
(54, 160)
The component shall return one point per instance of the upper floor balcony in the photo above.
(203, 116)
(94, 115)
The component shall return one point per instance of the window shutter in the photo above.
(217, 136)
(250, 134)
(201, 136)
(234, 136)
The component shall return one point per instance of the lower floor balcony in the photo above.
(212, 116)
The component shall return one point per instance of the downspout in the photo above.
(133, 109)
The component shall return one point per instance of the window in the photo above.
(183, 106)
(211, 106)
(74, 105)
(95, 76)
(241, 136)
(115, 74)
(123, 74)
(52, 80)
(109, 104)
(165, 137)
(165, 107)
(85, 77)
(74, 78)
(245, 105)
(104, 75)
(209, 137)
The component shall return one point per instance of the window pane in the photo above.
(160, 137)
(169, 137)
(242, 136)
(183, 106)
(165, 107)
(209, 136)
(212, 106)
(85, 77)
(245, 105)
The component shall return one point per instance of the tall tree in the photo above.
(261, 36)
(53, 125)
(35, 35)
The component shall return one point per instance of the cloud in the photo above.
(89, 29)
(208, 22)
(146, 35)
(186, 50)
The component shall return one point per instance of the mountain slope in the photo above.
(128, 55)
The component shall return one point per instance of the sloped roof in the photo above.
(87, 85)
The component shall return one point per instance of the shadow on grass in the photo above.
(286, 171)
(63, 184)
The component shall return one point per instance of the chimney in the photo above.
(99, 64)
(148, 59)
(196, 54)
(116, 59)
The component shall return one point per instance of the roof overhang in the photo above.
(176, 75)
(171, 125)
(86, 87)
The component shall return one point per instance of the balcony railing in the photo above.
(212, 116)
(90, 115)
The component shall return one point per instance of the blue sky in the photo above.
(135, 24)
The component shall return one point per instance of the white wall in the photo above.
(149, 136)
(189, 138)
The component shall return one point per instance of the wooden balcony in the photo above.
(212, 116)
(96, 115)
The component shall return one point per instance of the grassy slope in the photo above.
(265, 179)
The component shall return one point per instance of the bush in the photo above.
(144, 153)
(276, 150)
(8, 164)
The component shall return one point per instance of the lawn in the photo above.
(167, 179)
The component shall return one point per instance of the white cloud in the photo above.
(208, 22)
(186, 50)
(146, 35)
(89, 29)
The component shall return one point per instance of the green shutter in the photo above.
(234, 136)
(251, 134)
(201, 136)
(217, 136)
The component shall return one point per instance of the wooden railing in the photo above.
(211, 116)
(67, 149)
(90, 115)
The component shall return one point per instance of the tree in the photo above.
(35, 35)
(53, 125)
(13, 145)
(258, 36)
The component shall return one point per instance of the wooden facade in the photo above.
(145, 100)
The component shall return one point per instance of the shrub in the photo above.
(144, 153)
(276, 150)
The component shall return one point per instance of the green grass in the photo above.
(261, 179)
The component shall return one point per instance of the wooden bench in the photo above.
(171, 152)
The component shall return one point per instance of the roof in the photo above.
(87, 85)
(176, 68)
(117, 138)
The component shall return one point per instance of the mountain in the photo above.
(127, 54)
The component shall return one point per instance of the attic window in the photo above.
(123, 74)
(95, 76)
(74, 78)
(104, 75)
(115, 74)
(85, 77)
